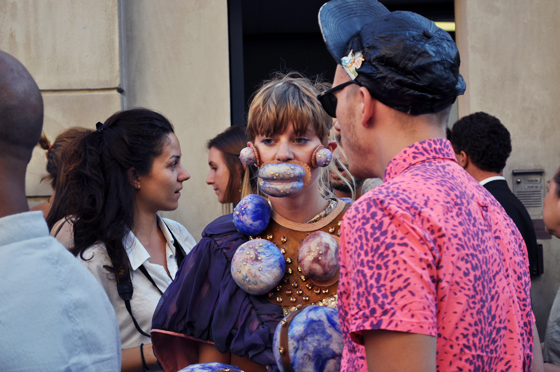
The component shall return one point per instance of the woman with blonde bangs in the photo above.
(208, 314)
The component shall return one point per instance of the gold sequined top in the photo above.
(295, 289)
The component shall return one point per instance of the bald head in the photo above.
(21, 110)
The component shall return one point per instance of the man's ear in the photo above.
(133, 178)
(332, 145)
(367, 109)
(462, 159)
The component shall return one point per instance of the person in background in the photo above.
(54, 161)
(433, 273)
(114, 182)
(345, 186)
(229, 177)
(482, 146)
(54, 316)
(551, 217)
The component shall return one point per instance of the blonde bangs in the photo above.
(287, 99)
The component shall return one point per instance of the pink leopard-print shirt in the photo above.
(430, 251)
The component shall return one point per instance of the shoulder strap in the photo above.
(60, 227)
(125, 289)
(124, 283)
(179, 251)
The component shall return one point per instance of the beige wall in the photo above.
(170, 56)
(71, 48)
(175, 58)
(510, 59)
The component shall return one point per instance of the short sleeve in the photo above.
(388, 272)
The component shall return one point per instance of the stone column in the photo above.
(175, 61)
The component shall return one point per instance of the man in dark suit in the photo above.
(482, 145)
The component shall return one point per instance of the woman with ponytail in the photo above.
(115, 181)
(53, 153)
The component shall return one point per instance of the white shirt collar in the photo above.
(490, 179)
(136, 252)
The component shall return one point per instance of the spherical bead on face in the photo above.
(248, 156)
(257, 266)
(323, 157)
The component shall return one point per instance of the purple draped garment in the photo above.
(204, 304)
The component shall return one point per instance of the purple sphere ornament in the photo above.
(248, 156)
(314, 340)
(318, 258)
(257, 266)
(281, 179)
(210, 367)
(251, 215)
(321, 157)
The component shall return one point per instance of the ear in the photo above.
(133, 178)
(462, 159)
(367, 109)
(332, 145)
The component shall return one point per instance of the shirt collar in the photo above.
(434, 148)
(136, 252)
(490, 179)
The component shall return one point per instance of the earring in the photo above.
(321, 157)
(250, 155)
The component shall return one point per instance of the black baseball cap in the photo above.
(402, 58)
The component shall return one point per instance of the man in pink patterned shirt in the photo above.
(434, 274)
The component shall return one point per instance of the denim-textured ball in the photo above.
(257, 266)
(251, 215)
(314, 339)
(210, 367)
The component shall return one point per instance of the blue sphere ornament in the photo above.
(314, 338)
(251, 215)
(257, 266)
(210, 367)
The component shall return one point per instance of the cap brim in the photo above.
(340, 20)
